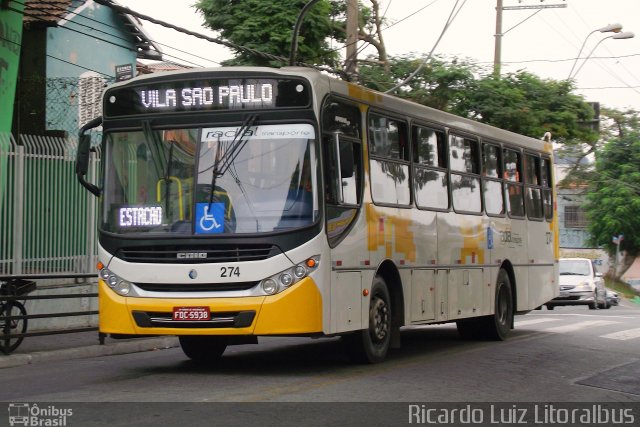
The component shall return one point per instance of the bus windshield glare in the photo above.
(211, 180)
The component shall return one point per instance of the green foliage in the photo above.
(520, 102)
(524, 103)
(614, 193)
(439, 84)
(267, 26)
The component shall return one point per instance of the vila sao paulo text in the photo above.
(543, 414)
(203, 96)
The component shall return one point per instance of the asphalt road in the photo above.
(570, 354)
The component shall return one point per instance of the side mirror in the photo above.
(598, 274)
(82, 157)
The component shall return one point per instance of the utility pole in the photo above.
(351, 63)
(497, 56)
(617, 240)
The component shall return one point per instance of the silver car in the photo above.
(580, 284)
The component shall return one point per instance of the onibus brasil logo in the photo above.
(26, 414)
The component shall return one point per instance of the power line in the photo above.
(115, 36)
(450, 19)
(225, 43)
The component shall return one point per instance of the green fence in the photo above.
(47, 220)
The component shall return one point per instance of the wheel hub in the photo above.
(379, 319)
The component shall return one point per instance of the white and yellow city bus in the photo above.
(245, 202)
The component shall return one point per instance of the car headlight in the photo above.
(584, 286)
(289, 277)
(119, 285)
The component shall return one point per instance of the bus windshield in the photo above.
(211, 180)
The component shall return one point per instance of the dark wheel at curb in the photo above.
(202, 348)
(371, 345)
(12, 326)
(498, 325)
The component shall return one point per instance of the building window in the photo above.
(574, 217)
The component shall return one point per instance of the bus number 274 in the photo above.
(229, 271)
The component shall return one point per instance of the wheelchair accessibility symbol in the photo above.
(209, 218)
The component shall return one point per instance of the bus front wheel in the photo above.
(371, 345)
(203, 348)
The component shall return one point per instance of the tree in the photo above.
(520, 102)
(526, 104)
(614, 192)
(439, 84)
(266, 26)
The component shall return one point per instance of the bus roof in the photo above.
(390, 103)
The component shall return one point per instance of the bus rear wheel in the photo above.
(371, 345)
(203, 348)
(498, 325)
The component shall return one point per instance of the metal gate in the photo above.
(47, 220)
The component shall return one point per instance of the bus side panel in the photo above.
(462, 248)
(542, 263)
(349, 277)
(510, 239)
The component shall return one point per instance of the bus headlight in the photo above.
(286, 279)
(119, 285)
(283, 280)
(123, 287)
(299, 271)
(269, 286)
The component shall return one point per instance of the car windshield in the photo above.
(211, 180)
(575, 267)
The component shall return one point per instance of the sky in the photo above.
(545, 42)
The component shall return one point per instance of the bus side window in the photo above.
(547, 194)
(512, 174)
(492, 186)
(533, 192)
(464, 161)
(430, 178)
(343, 153)
(389, 160)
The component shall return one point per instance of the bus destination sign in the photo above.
(200, 95)
(203, 96)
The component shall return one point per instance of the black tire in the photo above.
(12, 326)
(498, 325)
(372, 344)
(550, 307)
(203, 348)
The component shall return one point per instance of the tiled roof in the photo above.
(159, 66)
(45, 12)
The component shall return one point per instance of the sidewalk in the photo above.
(79, 345)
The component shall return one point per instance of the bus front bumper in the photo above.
(297, 310)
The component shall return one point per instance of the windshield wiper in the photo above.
(223, 161)
(167, 176)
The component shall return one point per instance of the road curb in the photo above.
(124, 347)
